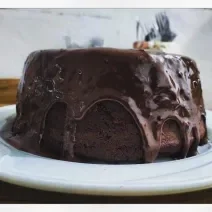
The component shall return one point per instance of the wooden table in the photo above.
(15, 194)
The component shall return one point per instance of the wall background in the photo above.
(26, 30)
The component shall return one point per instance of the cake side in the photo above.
(158, 97)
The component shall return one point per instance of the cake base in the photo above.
(107, 134)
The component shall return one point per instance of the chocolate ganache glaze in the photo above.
(69, 103)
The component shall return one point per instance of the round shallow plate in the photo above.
(162, 177)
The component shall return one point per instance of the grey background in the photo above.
(26, 30)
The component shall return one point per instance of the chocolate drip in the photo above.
(153, 87)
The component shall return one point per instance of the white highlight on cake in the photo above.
(137, 111)
(156, 58)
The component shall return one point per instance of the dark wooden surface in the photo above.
(15, 194)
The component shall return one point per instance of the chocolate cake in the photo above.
(109, 105)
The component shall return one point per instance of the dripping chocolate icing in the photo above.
(153, 87)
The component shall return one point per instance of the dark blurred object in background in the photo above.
(151, 35)
(164, 28)
(96, 42)
(157, 32)
(92, 43)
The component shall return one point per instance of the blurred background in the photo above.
(181, 31)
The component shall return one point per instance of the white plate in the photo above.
(159, 178)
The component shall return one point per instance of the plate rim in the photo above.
(98, 189)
